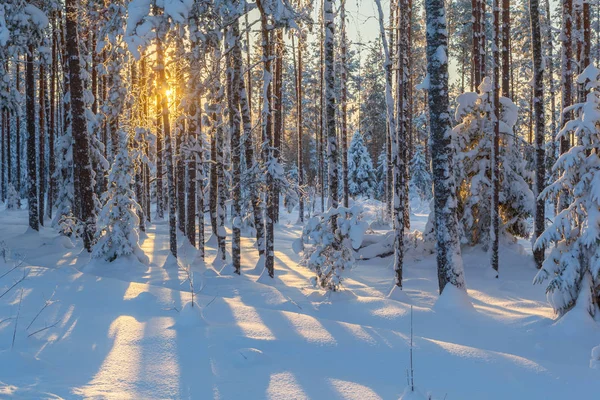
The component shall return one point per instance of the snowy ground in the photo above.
(119, 331)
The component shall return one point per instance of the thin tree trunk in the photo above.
(81, 145)
(538, 105)
(52, 125)
(251, 170)
(164, 104)
(566, 81)
(391, 124)
(300, 122)
(329, 78)
(267, 136)
(234, 81)
(32, 183)
(505, 48)
(42, 143)
(449, 260)
(278, 110)
(18, 134)
(495, 159)
(160, 209)
(344, 101)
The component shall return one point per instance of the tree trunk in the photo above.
(329, 78)
(251, 171)
(51, 126)
(42, 143)
(538, 105)
(160, 208)
(234, 75)
(300, 122)
(449, 260)
(344, 101)
(267, 137)
(278, 110)
(81, 145)
(32, 183)
(505, 48)
(18, 134)
(164, 104)
(495, 159)
(566, 81)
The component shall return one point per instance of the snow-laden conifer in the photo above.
(573, 265)
(118, 220)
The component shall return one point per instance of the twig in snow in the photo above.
(48, 302)
(43, 329)
(17, 320)
(15, 284)
(210, 302)
(20, 263)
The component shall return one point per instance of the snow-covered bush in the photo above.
(118, 221)
(573, 265)
(361, 176)
(69, 226)
(595, 360)
(473, 141)
(12, 198)
(327, 243)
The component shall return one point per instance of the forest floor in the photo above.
(120, 330)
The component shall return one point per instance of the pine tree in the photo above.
(118, 221)
(573, 265)
(361, 176)
(420, 177)
(380, 173)
(473, 138)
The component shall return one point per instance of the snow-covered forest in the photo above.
(300, 199)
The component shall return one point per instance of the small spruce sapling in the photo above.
(327, 243)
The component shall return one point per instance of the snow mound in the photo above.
(171, 262)
(63, 241)
(409, 394)
(320, 296)
(453, 299)
(248, 357)
(398, 294)
(265, 279)
(210, 273)
(122, 267)
(145, 298)
(577, 322)
(595, 361)
(212, 241)
(260, 266)
(190, 316)
(227, 270)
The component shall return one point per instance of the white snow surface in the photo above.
(130, 331)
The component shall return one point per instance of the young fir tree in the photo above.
(361, 176)
(118, 221)
(380, 174)
(573, 265)
(420, 179)
(473, 141)
(327, 242)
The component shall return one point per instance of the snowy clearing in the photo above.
(128, 331)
